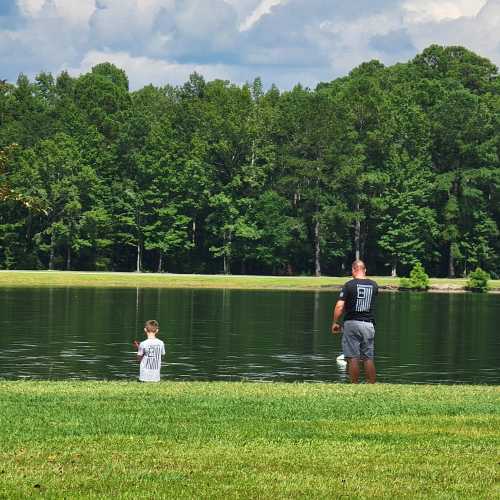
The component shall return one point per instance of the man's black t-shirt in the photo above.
(359, 296)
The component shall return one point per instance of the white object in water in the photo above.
(341, 361)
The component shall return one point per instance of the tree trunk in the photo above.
(451, 263)
(194, 233)
(357, 235)
(52, 252)
(28, 230)
(362, 244)
(394, 272)
(138, 268)
(455, 191)
(68, 259)
(227, 255)
(317, 253)
(224, 256)
(138, 219)
(160, 263)
(243, 267)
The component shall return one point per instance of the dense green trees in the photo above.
(396, 165)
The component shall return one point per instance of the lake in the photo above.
(87, 333)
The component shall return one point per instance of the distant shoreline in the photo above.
(166, 280)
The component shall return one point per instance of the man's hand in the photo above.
(337, 314)
(135, 344)
(336, 328)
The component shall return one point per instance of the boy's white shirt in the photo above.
(151, 351)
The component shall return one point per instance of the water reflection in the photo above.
(233, 335)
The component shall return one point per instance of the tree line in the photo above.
(395, 165)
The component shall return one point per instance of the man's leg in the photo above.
(350, 348)
(367, 349)
(353, 367)
(370, 373)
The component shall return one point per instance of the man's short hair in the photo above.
(358, 264)
(152, 325)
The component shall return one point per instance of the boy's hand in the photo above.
(135, 344)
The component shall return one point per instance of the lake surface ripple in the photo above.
(82, 333)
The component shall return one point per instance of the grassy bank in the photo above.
(61, 278)
(242, 440)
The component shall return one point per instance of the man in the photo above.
(357, 302)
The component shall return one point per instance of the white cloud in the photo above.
(243, 8)
(350, 43)
(153, 6)
(30, 7)
(75, 12)
(118, 20)
(284, 41)
(144, 70)
(480, 33)
(72, 11)
(420, 11)
(264, 7)
(490, 16)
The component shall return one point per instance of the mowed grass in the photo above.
(247, 440)
(145, 280)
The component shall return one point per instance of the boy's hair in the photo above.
(152, 325)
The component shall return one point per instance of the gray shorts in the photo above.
(358, 339)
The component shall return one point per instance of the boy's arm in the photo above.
(140, 351)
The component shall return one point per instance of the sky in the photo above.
(282, 41)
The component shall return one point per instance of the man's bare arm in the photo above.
(337, 314)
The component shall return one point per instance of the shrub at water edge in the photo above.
(478, 281)
(418, 280)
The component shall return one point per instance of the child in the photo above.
(149, 353)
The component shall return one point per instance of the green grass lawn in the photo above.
(62, 278)
(247, 440)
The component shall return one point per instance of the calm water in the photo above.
(233, 335)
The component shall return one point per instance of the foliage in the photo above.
(418, 280)
(396, 165)
(478, 280)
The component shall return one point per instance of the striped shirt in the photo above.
(359, 296)
(151, 351)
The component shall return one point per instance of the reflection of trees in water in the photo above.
(88, 333)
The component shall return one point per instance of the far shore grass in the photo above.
(247, 440)
(166, 280)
